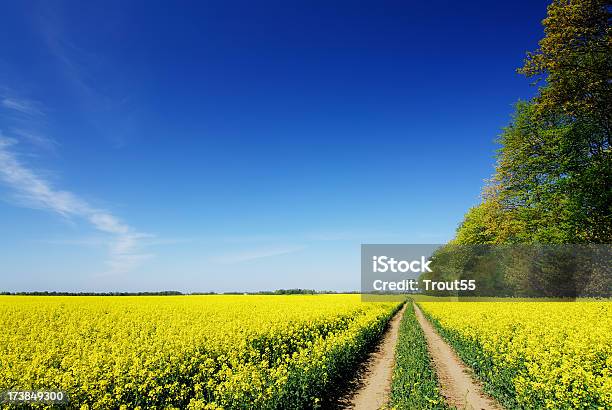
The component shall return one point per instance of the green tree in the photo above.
(553, 179)
(554, 170)
(534, 177)
(568, 124)
(490, 222)
(575, 60)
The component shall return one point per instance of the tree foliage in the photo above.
(553, 179)
(574, 58)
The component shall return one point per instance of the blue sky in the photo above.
(239, 145)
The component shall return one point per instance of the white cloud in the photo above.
(37, 140)
(22, 106)
(244, 256)
(36, 192)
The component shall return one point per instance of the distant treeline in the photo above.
(175, 293)
(294, 292)
(47, 293)
(283, 292)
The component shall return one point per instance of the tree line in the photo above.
(552, 183)
(296, 291)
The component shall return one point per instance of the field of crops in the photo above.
(534, 354)
(186, 351)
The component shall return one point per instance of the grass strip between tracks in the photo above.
(414, 385)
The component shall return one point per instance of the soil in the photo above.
(458, 385)
(373, 383)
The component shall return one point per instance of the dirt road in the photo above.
(457, 384)
(375, 380)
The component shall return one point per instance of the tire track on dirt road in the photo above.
(374, 381)
(455, 378)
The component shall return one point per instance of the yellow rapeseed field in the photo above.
(534, 354)
(186, 351)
